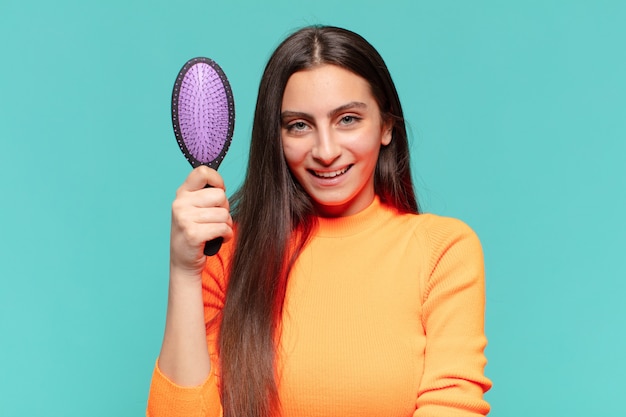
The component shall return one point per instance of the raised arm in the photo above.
(199, 214)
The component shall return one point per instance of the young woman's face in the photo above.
(332, 132)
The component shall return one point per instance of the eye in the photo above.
(296, 127)
(349, 119)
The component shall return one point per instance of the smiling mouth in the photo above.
(330, 174)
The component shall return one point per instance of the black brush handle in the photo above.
(212, 246)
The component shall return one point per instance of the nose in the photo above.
(326, 149)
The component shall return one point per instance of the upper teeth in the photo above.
(330, 174)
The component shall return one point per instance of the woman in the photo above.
(332, 296)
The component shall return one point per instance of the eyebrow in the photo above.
(287, 114)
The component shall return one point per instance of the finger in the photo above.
(187, 218)
(214, 215)
(203, 198)
(222, 230)
(203, 232)
(200, 177)
(209, 197)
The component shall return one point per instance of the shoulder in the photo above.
(440, 228)
(436, 229)
(430, 230)
(446, 239)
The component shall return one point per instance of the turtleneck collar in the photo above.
(373, 216)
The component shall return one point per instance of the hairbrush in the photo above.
(203, 116)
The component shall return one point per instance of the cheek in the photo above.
(294, 153)
(366, 146)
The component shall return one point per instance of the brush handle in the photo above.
(212, 246)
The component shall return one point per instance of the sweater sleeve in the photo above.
(169, 399)
(453, 294)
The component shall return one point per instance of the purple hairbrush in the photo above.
(203, 115)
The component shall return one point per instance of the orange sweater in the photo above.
(383, 317)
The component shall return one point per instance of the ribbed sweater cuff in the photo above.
(169, 399)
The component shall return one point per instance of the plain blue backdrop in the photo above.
(517, 111)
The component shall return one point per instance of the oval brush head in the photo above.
(203, 112)
(203, 116)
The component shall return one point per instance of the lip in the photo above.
(329, 177)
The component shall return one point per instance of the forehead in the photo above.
(325, 86)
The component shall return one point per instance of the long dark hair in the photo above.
(275, 216)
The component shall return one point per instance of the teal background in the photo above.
(518, 126)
